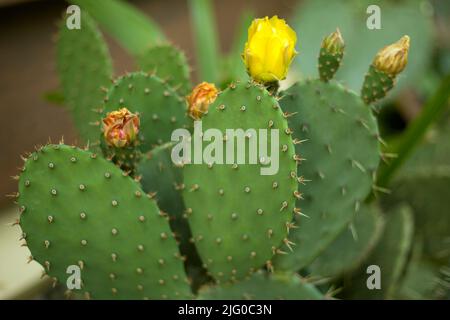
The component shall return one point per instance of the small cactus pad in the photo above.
(352, 246)
(84, 66)
(387, 64)
(238, 216)
(376, 85)
(126, 158)
(169, 64)
(328, 64)
(163, 180)
(330, 56)
(79, 209)
(390, 255)
(341, 152)
(263, 286)
(160, 108)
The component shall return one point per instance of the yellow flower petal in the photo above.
(270, 49)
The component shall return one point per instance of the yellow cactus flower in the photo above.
(393, 58)
(200, 98)
(120, 128)
(269, 50)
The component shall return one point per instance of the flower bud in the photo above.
(393, 58)
(334, 43)
(200, 98)
(269, 50)
(120, 128)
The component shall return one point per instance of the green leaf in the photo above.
(206, 39)
(132, 29)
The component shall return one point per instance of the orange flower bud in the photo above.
(201, 97)
(120, 128)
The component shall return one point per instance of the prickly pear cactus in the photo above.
(138, 225)
(423, 183)
(352, 246)
(160, 108)
(390, 255)
(239, 217)
(84, 67)
(342, 148)
(169, 64)
(79, 209)
(262, 286)
(330, 56)
(342, 153)
(421, 282)
(163, 180)
(430, 203)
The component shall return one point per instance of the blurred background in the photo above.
(28, 76)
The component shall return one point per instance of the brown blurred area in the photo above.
(27, 66)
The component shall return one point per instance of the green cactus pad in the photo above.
(390, 254)
(341, 152)
(329, 64)
(424, 182)
(239, 217)
(352, 246)
(84, 66)
(160, 108)
(169, 64)
(262, 286)
(126, 158)
(376, 85)
(426, 191)
(79, 209)
(420, 282)
(164, 181)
